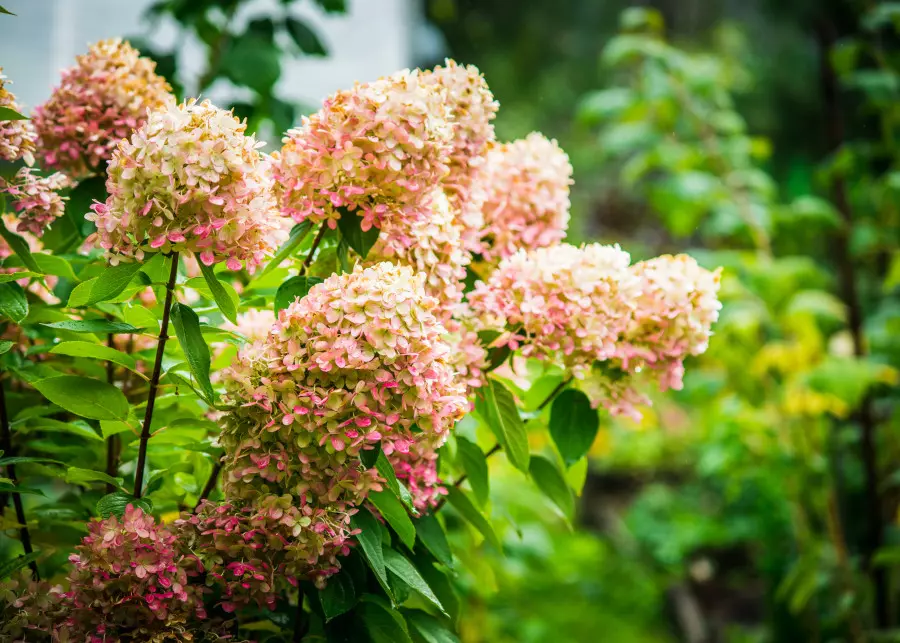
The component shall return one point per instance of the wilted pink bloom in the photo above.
(190, 180)
(374, 151)
(98, 102)
(526, 201)
(17, 138)
(36, 199)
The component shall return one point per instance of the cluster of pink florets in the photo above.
(99, 101)
(190, 180)
(526, 204)
(130, 574)
(36, 199)
(17, 138)
(374, 151)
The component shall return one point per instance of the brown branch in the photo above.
(494, 449)
(6, 437)
(836, 135)
(112, 442)
(312, 249)
(210, 483)
(154, 379)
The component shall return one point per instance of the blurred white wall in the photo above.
(374, 38)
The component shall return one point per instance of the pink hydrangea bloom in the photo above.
(561, 303)
(673, 317)
(99, 101)
(30, 610)
(127, 575)
(375, 150)
(17, 138)
(36, 199)
(472, 108)
(432, 246)
(527, 196)
(469, 358)
(253, 324)
(615, 390)
(417, 469)
(190, 180)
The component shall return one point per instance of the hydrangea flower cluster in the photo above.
(36, 199)
(99, 101)
(417, 469)
(431, 246)
(527, 196)
(190, 180)
(130, 574)
(561, 303)
(375, 150)
(472, 107)
(673, 317)
(17, 138)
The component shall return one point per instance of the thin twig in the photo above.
(312, 249)
(154, 379)
(6, 437)
(554, 393)
(210, 484)
(112, 442)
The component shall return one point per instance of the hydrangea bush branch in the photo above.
(323, 394)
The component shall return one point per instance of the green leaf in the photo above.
(8, 13)
(551, 482)
(573, 424)
(369, 457)
(498, 407)
(20, 247)
(252, 61)
(9, 487)
(5, 345)
(16, 276)
(361, 242)
(108, 285)
(187, 329)
(84, 396)
(406, 572)
(13, 303)
(395, 513)
(19, 459)
(472, 460)
(10, 567)
(140, 317)
(431, 534)
(96, 351)
(298, 234)
(223, 300)
(384, 625)
(369, 538)
(53, 265)
(293, 288)
(78, 427)
(464, 506)
(386, 471)
(114, 504)
(8, 113)
(76, 475)
(338, 596)
(305, 38)
(429, 628)
(103, 326)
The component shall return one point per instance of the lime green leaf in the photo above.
(187, 328)
(369, 539)
(8, 13)
(349, 225)
(20, 247)
(76, 475)
(16, 276)
(464, 506)
(338, 596)
(141, 317)
(13, 303)
(573, 424)
(551, 482)
(383, 624)
(20, 459)
(224, 300)
(114, 504)
(103, 326)
(10, 567)
(386, 471)
(298, 234)
(429, 628)
(78, 427)
(5, 345)
(498, 407)
(293, 288)
(8, 113)
(96, 351)
(395, 513)
(84, 396)
(400, 566)
(431, 534)
(110, 283)
(471, 458)
(9, 487)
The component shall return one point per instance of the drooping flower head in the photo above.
(374, 151)
(526, 204)
(561, 303)
(36, 199)
(432, 246)
(673, 316)
(472, 108)
(98, 102)
(17, 138)
(190, 180)
(130, 575)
